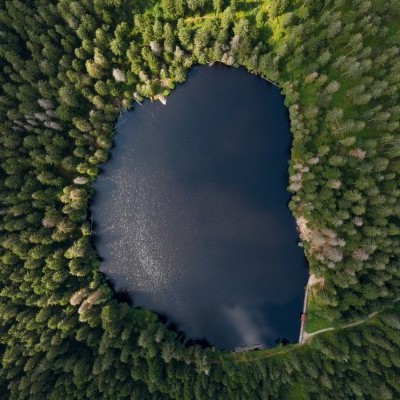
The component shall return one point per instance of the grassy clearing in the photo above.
(315, 321)
(202, 17)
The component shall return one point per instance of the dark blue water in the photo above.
(191, 215)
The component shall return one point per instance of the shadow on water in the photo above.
(124, 297)
(173, 326)
(190, 213)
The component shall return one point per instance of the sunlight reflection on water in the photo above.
(191, 214)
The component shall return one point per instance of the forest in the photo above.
(68, 68)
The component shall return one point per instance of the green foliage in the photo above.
(68, 68)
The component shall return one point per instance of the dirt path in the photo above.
(193, 19)
(268, 355)
(308, 336)
(312, 280)
(302, 332)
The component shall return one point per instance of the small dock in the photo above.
(244, 349)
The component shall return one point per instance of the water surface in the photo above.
(191, 215)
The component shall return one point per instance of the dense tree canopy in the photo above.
(67, 68)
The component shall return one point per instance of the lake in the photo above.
(190, 212)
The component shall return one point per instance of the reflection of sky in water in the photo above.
(191, 211)
(252, 329)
